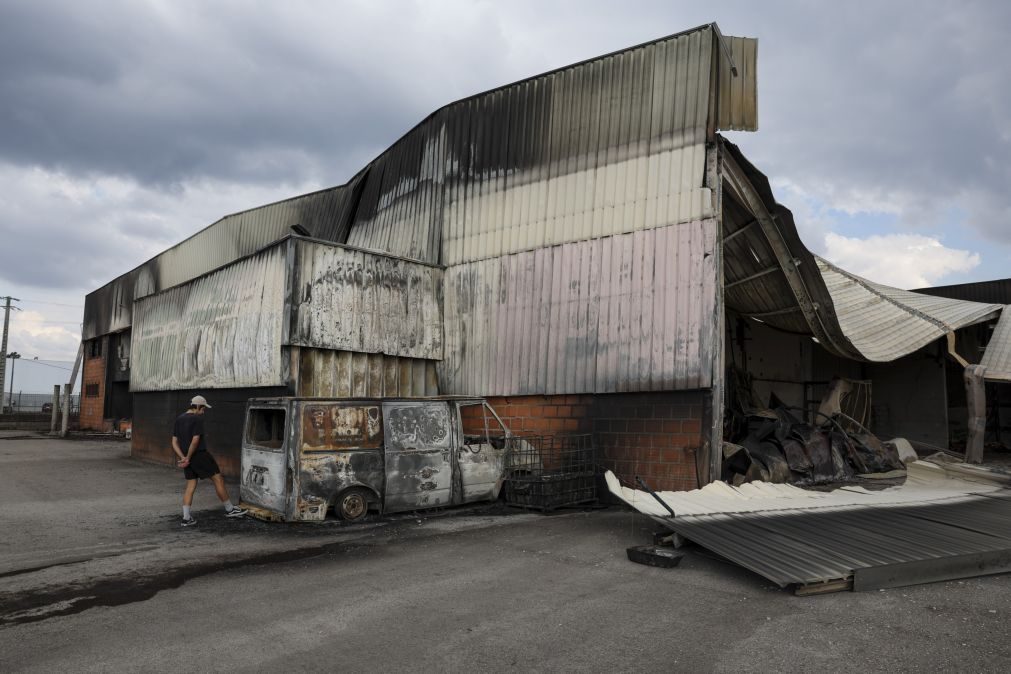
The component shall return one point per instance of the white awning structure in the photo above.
(996, 362)
(885, 323)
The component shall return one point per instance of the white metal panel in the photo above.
(351, 300)
(996, 360)
(885, 323)
(925, 483)
(222, 330)
(632, 312)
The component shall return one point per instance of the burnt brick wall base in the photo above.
(93, 407)
(654, 435)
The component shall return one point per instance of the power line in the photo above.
(60, 322)
(39, 362)
(55, 304)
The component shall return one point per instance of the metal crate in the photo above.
(550, 471)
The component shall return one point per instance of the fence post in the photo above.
(68, 389)
(56, 408)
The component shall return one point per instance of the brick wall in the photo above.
(92, 381)
(654, 435)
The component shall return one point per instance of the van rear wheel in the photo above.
(352, 505)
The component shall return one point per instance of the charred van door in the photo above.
(419, 445)
(265, 479)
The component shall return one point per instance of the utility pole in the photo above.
(3, 350)
(13, 355)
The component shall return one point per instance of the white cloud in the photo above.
(900, 260)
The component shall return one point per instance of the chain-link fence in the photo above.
(35, 403)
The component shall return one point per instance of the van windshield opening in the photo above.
(265, 428)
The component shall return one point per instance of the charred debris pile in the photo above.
(776, 444)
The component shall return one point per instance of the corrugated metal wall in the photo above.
(633, 312)
(222, 330)
(613, 145)
(997, 357)
(325, 373)
(351, 300)
(738, 94)
(325, 214)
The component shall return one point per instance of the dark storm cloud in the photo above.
(164, 93)
(190, 110)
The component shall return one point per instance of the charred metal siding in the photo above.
(609, 146)
(738, 94)
(997, 291)
(343, 374)
(222, 330)
(325, 214)
(351, 300)
(633, 312)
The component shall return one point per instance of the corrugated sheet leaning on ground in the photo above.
(886, 323)
(633, 312)
(352, 300)
(222, 330)
(996, 360)
(326, 373)
(792, 535)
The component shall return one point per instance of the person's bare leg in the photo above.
(191, 487)
(219, 487)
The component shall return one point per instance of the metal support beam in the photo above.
(745, 193)
(740, 230)
(754, 276)
(975, 396)
(777, 312)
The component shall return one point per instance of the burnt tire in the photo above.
(352, 504)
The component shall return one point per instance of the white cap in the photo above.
(199, 400)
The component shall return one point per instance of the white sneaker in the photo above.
(236, 511)
(188, 522)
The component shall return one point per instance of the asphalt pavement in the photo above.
(97, 575)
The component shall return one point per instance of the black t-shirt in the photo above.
(186, 426)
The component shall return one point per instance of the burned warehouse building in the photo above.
(584, 248)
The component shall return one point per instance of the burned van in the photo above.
(302, 457)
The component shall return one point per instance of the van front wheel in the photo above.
(352, 505)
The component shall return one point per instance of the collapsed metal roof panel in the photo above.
(797, 536)
(886, 323)
(996, 362)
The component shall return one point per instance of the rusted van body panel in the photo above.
(302, 456)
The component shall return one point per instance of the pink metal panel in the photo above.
(632, 312)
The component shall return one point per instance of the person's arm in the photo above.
(193, 447)
(175, 448)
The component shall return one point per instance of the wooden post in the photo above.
(56, 409)
(975, 396)
(68, 389)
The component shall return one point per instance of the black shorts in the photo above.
(202, 465)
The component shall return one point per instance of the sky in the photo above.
(127, 126)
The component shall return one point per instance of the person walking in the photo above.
(190, 445)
